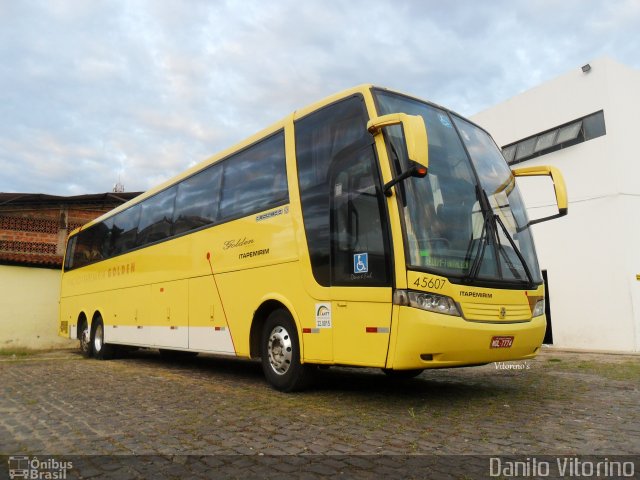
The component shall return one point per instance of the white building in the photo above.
(592, 256)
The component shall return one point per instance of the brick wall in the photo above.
(36, 234)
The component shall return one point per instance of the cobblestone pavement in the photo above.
(561, 403)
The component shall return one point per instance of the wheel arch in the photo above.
(260, 316)
(82, 318)
(97, 315)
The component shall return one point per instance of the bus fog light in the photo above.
(433, 303)
(538, 309)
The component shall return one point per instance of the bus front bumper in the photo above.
(431, 340)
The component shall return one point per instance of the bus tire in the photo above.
(100, 349)
(84, 335)
(280, 352)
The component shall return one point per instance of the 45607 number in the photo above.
(429, 282)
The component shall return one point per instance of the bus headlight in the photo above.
(433, 303)
(538, 309)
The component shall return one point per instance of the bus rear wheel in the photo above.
(281, 354)
(84, 336)
(100, 349)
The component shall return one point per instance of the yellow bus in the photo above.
(370, 229)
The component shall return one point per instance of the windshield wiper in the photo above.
(483, 241)
(489, 229)
(515, 249)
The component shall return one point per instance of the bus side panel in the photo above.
(168, 312)
(244, 291)
(361, 332)
(69, 312)
(148, 315)
(208, 330)
(124, 314)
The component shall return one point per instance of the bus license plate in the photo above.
(501, 342)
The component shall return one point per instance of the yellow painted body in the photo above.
(454, 341)
(202, 291)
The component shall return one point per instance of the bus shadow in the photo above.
(435, 385)
(451, 385)
(202, 363)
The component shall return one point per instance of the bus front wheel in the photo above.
(101, 350)
(281, 354)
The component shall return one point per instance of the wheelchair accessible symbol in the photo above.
(361, 263)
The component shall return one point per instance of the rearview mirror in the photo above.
(558, 185)
(415, 136)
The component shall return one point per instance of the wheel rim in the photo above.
(85, 339)
(279, 350)
(97, 340)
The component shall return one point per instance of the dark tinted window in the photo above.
(71, 248)
(156, 217)
(107, 238)
(88, 246)
(255, 179)
(359, 254)
(125, 230)
(322, 138)
(197, 200)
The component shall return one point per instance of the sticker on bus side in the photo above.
(273, 213)
(444, 120)
(361, 263)
(323, 315)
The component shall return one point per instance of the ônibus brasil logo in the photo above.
(35, 469)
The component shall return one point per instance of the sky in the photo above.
(95, 92)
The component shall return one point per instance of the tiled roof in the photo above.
(41, 198)
(31, 259)
(33, 250)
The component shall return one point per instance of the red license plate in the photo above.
(501, 342)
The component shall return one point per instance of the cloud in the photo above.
(93, 91)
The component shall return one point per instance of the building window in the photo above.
(563, 136)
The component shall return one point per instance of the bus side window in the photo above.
(69, 261)
(86, 247)
(125, 230)
(197, 200)
(248, 179)
(156, 218)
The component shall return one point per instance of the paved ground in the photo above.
(60, 403)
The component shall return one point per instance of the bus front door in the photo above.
(360, 265)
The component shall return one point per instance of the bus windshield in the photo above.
(466, 219)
